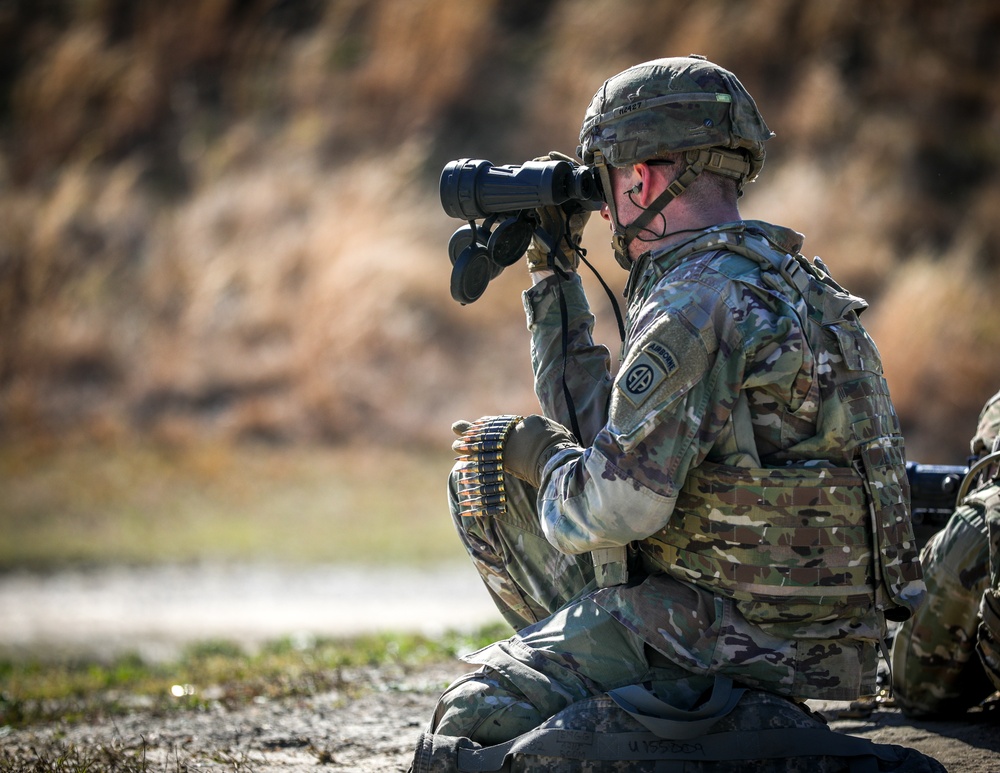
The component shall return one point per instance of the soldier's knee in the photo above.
(485, 707)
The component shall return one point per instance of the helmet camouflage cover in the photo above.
(672, 105)
(989, 427)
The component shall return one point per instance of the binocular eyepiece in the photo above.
(506, 198)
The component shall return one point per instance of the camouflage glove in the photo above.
(554, 222)
(531, 443)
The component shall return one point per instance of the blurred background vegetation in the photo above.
(219, 220)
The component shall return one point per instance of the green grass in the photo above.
(141, 504)
(212, 673)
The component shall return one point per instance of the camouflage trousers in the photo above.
(569, 646)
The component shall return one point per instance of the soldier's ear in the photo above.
(643, 191)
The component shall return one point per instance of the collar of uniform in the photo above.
(718, 236)
(785, 239)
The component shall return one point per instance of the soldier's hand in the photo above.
(558, 224)
(459, 427)
(531, 443)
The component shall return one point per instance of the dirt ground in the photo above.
(376, 732)
(969, 744)
(370, 726)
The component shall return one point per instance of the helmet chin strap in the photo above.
(720, 162)
(624, 235)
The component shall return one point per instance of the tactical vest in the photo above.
(799, 543)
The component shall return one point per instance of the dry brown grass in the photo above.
(221, 219)
(938, 328)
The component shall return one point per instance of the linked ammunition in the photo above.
(480, 467)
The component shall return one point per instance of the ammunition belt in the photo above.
(480, 466)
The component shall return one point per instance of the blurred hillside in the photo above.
(220, 218)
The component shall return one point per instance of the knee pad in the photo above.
(485, 707)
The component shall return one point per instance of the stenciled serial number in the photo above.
(666, 746)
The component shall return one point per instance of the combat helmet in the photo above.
(674, 105)
(988, 429)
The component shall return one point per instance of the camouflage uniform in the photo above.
(744, 394)
(749, 399)
(938, 656)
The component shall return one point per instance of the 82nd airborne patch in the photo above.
(647, 371)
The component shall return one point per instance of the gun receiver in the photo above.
(933, 495)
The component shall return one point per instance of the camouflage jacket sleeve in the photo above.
(587, 369)
(680, 378)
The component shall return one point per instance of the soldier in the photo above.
(946, 658)
(710, 518)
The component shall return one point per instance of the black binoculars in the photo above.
(506, 198)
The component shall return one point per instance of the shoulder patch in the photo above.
(654, 364)
(665, 363)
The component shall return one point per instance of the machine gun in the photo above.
(934, 492)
